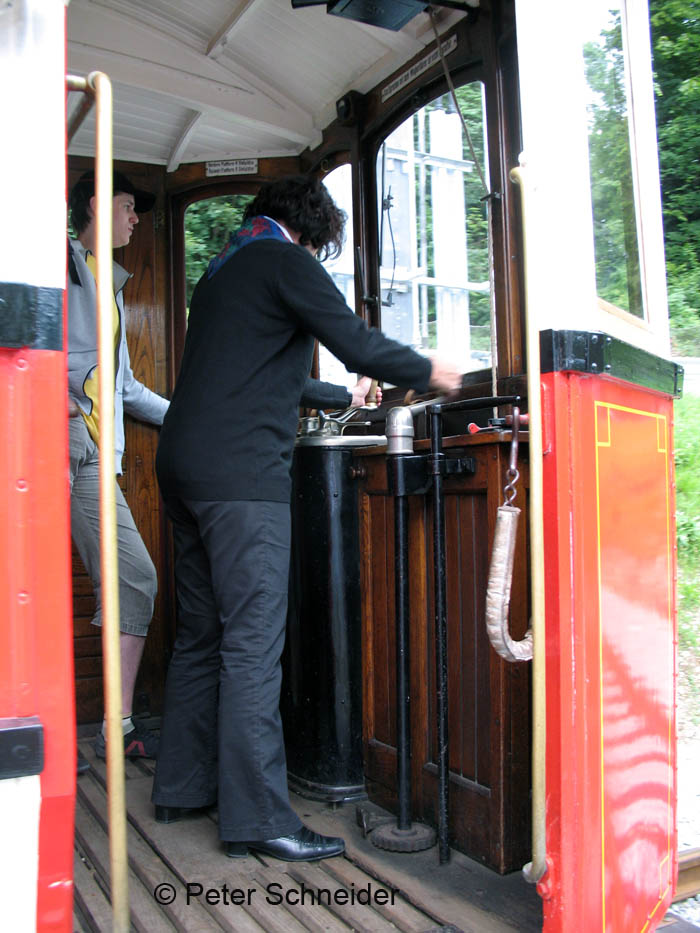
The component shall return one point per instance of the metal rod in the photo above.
(119, 892)
(86, 85)
(440, 636)
(76, 83)
(473, 404)
(403, 696)
(535, 869)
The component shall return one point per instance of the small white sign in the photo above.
(449, 45)
(233, 167)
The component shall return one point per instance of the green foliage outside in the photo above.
(208, 225)
(614, 216)
(675, 30)
(687, 451)
(687, 457)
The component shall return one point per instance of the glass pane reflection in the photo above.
(434, 252)
(618, 276)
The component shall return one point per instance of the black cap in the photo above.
(143, 200)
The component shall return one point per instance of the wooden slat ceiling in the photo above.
(197, 80)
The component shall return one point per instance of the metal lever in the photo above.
(342, 420)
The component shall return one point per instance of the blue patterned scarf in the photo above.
(256, 228)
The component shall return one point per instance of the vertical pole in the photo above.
(535, 869)
(440, 632)
(403, 694)
(108, 516)
(405, 836)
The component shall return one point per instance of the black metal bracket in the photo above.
(602, 355)
(407, 474)
(452, 466)
(412, 474)
(21, 747)
(31, 316)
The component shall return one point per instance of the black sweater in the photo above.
(229, 432)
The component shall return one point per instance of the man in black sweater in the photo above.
(223, 465)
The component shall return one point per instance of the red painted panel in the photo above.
(610, 617)
(36, 661)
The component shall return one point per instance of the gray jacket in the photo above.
(130, 395)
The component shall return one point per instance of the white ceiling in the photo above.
(202, 80)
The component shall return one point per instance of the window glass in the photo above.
(342, 271)
(618, 276)
(434, 252)
(208, 225)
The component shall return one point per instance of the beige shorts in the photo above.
(138, 583)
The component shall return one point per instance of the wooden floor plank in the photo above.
(316, 919)
(360, 917)
(99, 767)
(146, 915)
(404, 917)
(272, 916)
(188, 855)
(463, 893)
(192, 851)
(90, 899)
(78, 923)
(147, 865)
(191, 847)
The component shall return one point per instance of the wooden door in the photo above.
(489, 707)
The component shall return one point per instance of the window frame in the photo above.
(475, 59)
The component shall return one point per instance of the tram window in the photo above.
(208, 224)
(615, 220)
(342, 271)
(433, 231)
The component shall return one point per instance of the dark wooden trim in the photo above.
(188, 178)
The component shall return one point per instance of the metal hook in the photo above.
(512, 473)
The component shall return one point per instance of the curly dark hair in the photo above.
(302, 203)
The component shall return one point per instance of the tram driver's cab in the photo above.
(502, 192)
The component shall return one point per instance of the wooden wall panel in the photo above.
(146, 302)
(488, 698)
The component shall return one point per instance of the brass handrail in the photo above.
(87, 86)
(535, 869)
(99, 86)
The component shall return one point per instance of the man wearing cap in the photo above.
(137, 575)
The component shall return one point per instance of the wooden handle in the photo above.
(371, 400)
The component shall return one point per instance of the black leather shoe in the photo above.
(302, 846)
(173, 814)
(169, 814)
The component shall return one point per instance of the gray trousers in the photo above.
(138, 583)
(221, 734)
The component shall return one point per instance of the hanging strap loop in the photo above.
(501, 567)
